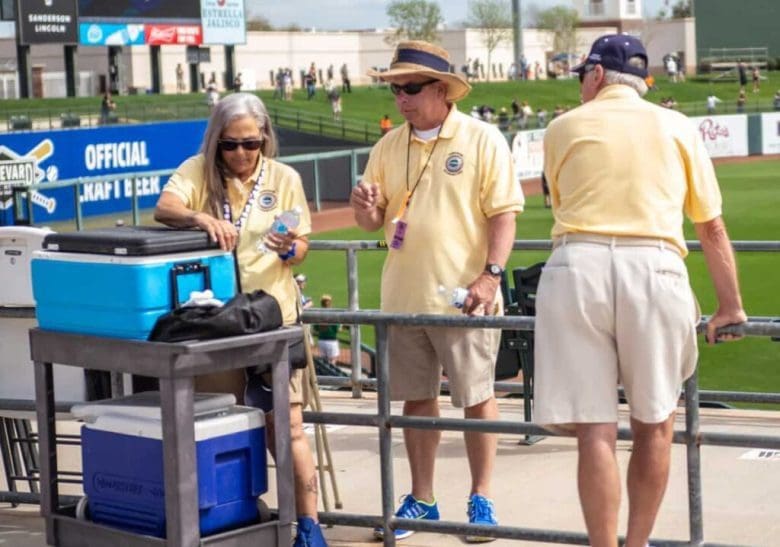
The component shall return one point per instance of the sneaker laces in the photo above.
(410, 508)
(481, 509)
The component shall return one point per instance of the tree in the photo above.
(682, 9)
(259, 22)
(414, 20)
(562, 22)
(679, 10)
(492, 17)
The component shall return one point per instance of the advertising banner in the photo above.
(50, 156)
(724, 136)
(223, 21)
(47, 21)
(770, 133)
(528, 154)
(139, 11)
(109, 34)
(160, 35)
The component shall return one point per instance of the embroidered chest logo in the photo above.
(453, 165)
(267, 200)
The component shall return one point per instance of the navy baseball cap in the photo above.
(613, 52)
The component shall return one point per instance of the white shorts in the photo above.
(612, 311)
(329, 348)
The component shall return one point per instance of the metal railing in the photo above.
(22, 194)
(692, 437)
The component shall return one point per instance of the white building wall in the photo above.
(265, 52)
(608, 10)
(670, 35)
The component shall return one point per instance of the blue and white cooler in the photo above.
(116, 282)
(122, 461)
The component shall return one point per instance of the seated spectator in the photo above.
(712, 103)
(385, 124)
(503, 119)
(475, 112)
(541, 117)
(327, 335)
(306, 301)
(741, 100)
(776, 100)
(557, 111)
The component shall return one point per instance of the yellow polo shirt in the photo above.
(281, 190)
(469, 178)
(619, 165)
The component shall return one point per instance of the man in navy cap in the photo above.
(614, 305)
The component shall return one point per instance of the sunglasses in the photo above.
(588, 68)
(410, 89)
(229, 145)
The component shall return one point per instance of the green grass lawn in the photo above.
(367, 104)
(751, 194)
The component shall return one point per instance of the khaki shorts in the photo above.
(418, 355)
(612, 311)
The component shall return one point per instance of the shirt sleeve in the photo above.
(186, 183)
(703, 201)
(372, 174)
(500, 190)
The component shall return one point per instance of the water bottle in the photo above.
(286, 221)
(454, 297)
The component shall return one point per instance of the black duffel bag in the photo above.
(245, 313)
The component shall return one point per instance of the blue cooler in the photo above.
(117, 282)
(122, 462)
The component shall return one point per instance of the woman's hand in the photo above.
(280, 244)
(220, 231)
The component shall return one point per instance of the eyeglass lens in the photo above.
(411, 88)
(249, 144)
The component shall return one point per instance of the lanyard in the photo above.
(410, 192)
(227, 212)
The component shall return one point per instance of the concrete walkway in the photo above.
(534, 486)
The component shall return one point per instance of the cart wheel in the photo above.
(82, 509)
(263, 511)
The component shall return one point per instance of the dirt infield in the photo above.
(338, 215)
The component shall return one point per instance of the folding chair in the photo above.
(516, 352)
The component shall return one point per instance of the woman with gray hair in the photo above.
(234, 190)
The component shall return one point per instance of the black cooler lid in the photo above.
(130, 241)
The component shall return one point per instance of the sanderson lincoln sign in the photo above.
(47, 21)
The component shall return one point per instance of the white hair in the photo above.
(228, 109)
(637, 83)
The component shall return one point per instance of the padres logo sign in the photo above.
(267, 200)
(454, 163)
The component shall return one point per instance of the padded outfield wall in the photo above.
(737, 24)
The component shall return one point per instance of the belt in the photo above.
(614, 241)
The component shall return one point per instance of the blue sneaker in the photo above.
(481, 511)
(410, 509)
(309, 534)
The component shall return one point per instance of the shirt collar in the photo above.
(616, 91)
(449, 127)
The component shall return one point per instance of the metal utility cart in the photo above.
(176, 365)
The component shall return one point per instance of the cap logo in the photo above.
(454, 163)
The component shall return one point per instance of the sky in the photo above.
(369, 14)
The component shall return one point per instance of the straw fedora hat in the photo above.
(418, 57)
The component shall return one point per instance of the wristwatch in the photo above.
(494, 269)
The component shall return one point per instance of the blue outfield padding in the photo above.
(38, 157)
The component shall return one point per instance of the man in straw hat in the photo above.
(443, 189)
(614, 304)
